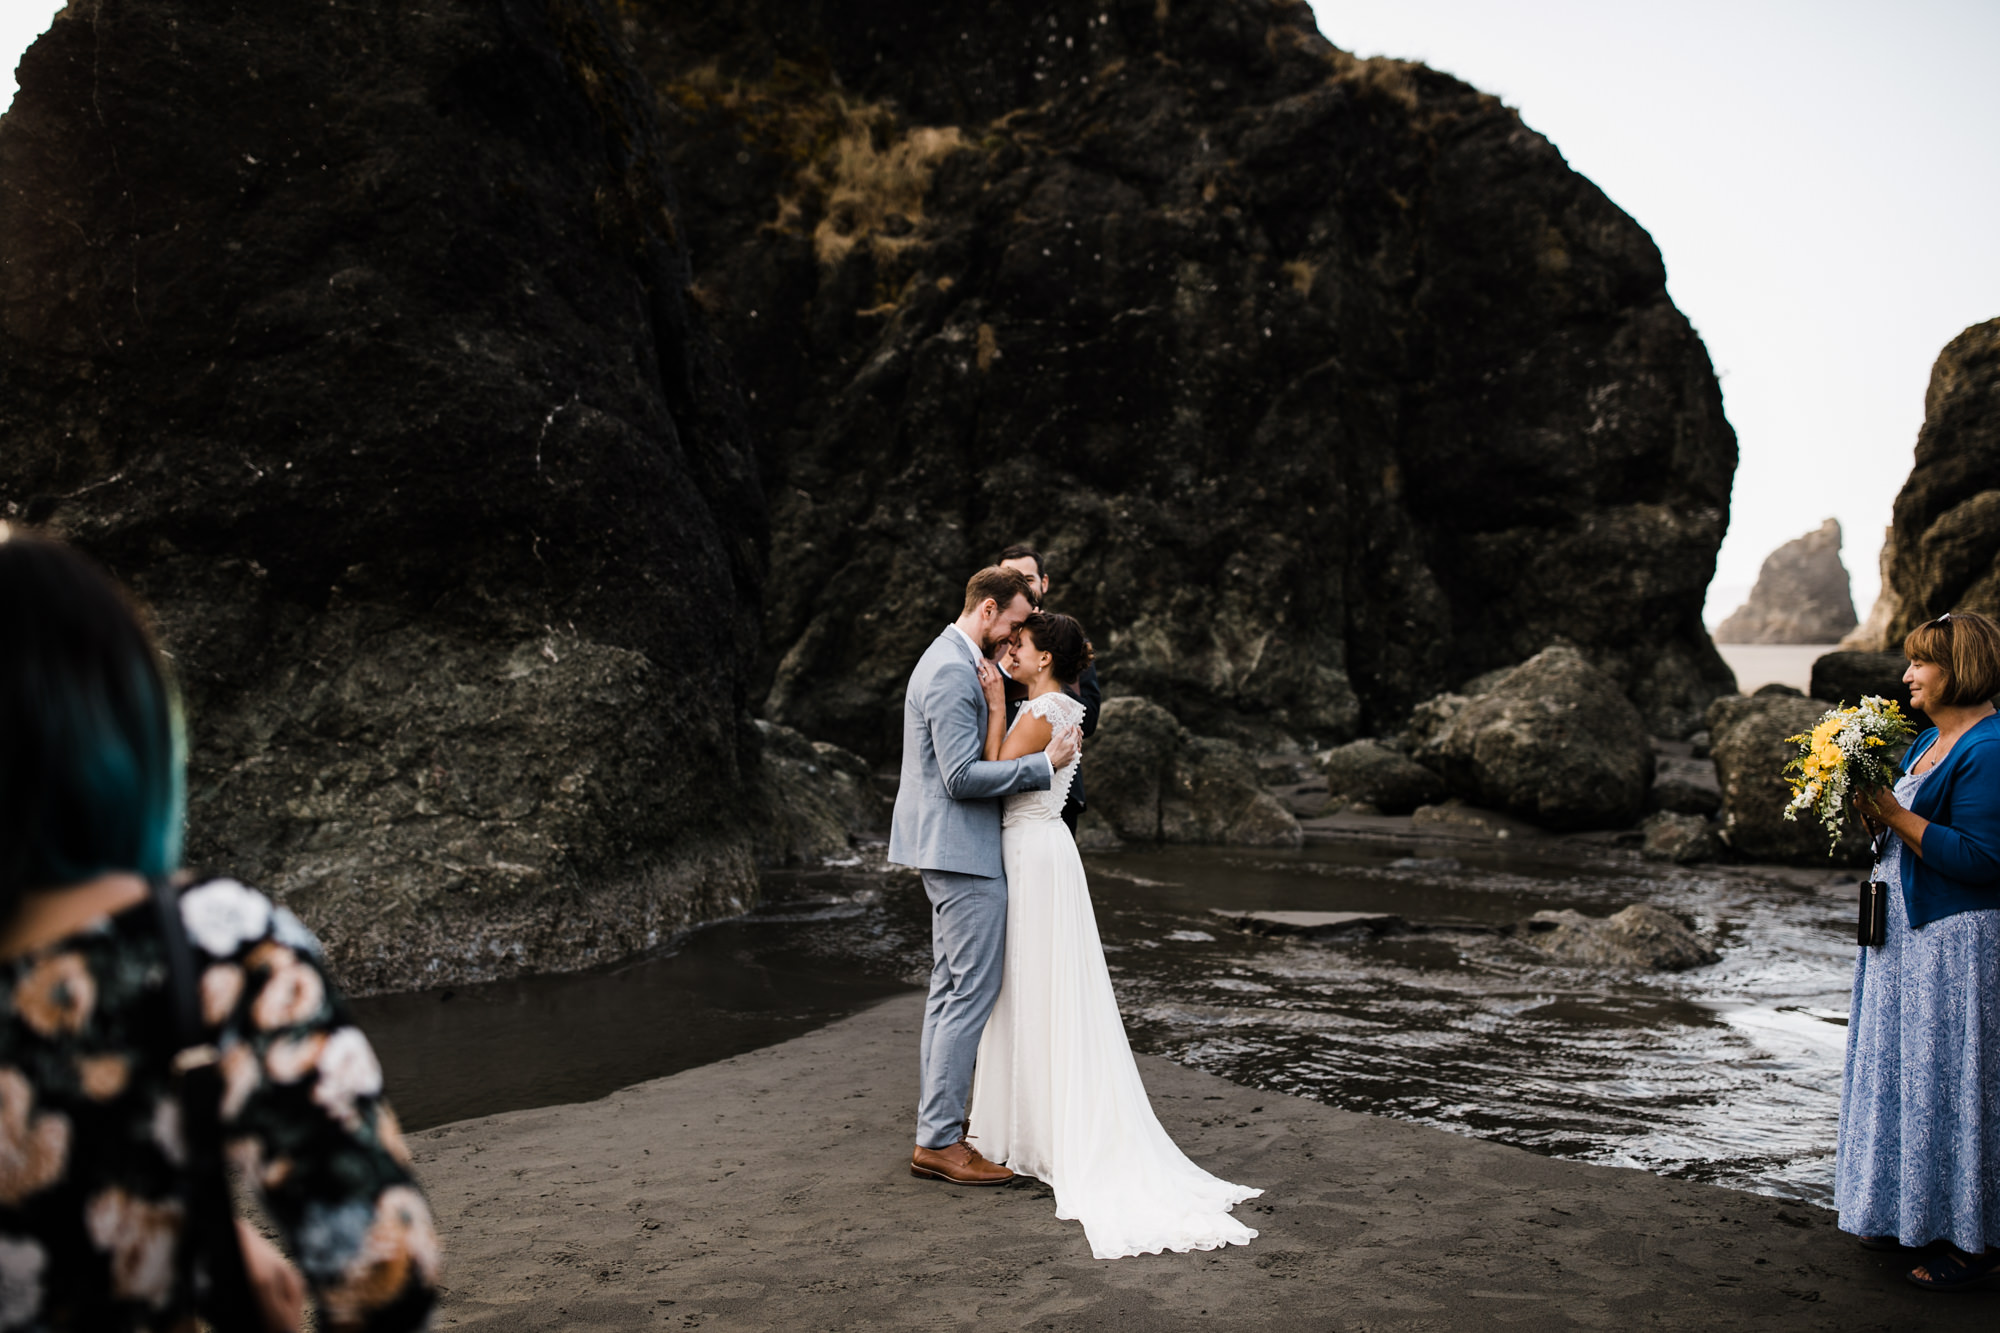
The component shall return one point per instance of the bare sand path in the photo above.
(770, 1192)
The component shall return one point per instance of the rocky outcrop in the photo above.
(1944, 548)
(1751, 748)
(817, 799)
(1324, 383)
(1641, 938)
(1849, 677)
(1151, 780)
(1553, 742)
(357, 340)
(1802, 595)
(1382, 776)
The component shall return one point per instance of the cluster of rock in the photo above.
(1802, 595)
(1942, 552)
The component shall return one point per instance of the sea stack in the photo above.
(1803, 595)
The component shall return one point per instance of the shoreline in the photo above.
(769, 1190)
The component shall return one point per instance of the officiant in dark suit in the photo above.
(1027, 560)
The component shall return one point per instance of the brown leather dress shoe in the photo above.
(961, 1164)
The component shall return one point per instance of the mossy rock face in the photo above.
(1324, 384)
(354, 338)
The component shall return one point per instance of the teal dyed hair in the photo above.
(92, 756)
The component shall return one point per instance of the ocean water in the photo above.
(1728, 1073)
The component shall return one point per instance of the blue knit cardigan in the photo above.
(1960, 868)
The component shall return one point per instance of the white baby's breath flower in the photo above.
(222, 915)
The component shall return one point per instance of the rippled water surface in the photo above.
(1728, 1073)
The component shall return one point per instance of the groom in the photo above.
(947, 825)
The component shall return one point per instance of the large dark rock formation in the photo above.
(356, 339)
(1152, 781)
(1324, 383)
(1943, 551)
(1803, 595)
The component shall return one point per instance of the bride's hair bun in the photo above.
(1062, 638)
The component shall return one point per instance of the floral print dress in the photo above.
(93, 1180)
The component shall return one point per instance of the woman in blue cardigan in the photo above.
(1919, 1154)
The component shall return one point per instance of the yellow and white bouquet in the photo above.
(1847, 752)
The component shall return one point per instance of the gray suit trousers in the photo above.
(968, 940)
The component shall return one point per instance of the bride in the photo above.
(1056, 1094)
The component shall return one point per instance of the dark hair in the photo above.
(1062, 638)
(1003, 585)
(90, 734)
(1021, 551)
(1967, 645)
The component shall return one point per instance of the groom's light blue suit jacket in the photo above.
(948, 804)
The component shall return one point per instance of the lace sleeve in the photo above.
(1056, 708)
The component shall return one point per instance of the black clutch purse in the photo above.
(1873, 927)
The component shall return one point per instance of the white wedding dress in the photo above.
(1056, 1094)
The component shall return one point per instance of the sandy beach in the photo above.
(769, 1191)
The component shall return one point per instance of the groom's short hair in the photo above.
(1000, 583)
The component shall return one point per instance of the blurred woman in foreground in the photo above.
(1919, 1154)
(103, 1173)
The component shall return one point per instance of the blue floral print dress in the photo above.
(1919, 1146)
(92, 1176)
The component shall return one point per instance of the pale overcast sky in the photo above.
(1823, 177)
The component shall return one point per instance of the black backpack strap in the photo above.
(218, 1280)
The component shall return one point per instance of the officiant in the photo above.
(1028, 561)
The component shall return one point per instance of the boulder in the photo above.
(1943, 552)
(1680, 838)
(1370, 771)
(1151, 780)
(817, 799)
(1803, 595)
(1685, 786)
(1555, 743)
(1323, 383)
(1847, 677)
(357, 339)
(1751, 748)
(1639, 938)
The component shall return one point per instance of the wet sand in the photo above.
(770, 1191)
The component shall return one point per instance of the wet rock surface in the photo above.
(1802, 595)
(1323, 383)
(1371, 771)
(1944, 546)
(1554, 743)
(1751, 750)
(1680, 838)
(356, 340)
(1151, 780)
(817, 799)
(1685, 785)
(1639, 936)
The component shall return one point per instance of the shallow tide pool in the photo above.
(1728, 1073)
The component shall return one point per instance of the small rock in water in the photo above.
(1641, 937)
(1310, 924)
(1679, 838)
